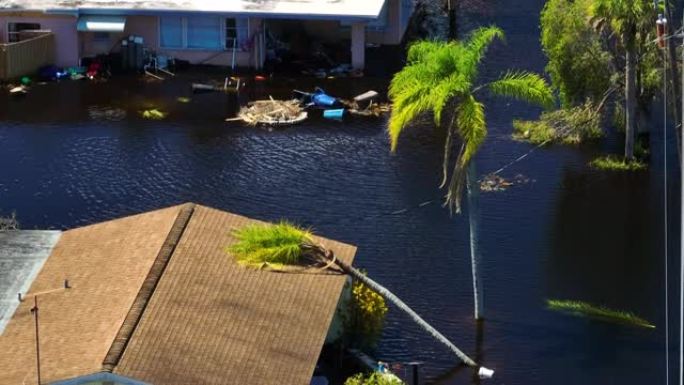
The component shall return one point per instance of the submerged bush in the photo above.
(568, 126)
(585, 309)
(616, 163)
(365, 317)
(375, 378)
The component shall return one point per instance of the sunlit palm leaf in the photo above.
(525, 86)
(472, 129)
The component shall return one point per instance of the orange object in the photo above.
(259, 78)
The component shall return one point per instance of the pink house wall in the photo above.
(148, 28)
(64, 28)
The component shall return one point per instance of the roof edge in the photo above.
(140, 302)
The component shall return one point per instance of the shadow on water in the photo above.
(573, 232)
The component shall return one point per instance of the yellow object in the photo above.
(154, 114)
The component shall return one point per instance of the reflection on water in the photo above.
(572, 233)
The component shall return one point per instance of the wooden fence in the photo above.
(26, 56)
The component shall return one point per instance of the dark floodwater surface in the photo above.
(571, 233)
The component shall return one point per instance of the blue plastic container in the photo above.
(334, 114)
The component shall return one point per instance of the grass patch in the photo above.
(616, 163)
(567, 126)
(273, 245)
(580, 308)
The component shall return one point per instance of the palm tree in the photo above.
(283, 245)
(624, 17)
(441, 76)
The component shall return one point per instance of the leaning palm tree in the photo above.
(440, 78)
(623, 18)
(281, 246)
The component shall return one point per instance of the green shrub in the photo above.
(616, 163)
(568, 126)
(365, 317)
(374, 378)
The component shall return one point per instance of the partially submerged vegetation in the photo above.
(572, 125)
(581, 308)
(617, 163)
(597, 48)
(364, 317)
(375, 378)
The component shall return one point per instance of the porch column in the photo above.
(358, 45)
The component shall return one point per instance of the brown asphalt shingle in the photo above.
(105, 264)
(207, 320)
(211, 321)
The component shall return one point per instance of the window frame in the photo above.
(11, 34)
(223, 43)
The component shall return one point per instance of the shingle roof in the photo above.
(207, 321)
(106, 264)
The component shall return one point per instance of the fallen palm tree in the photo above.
(580, 308)
(281, 245)
(271, 112)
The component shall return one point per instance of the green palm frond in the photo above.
(621, 14)
(273, 244)
(474, 49)
(421, 49)
(524, 86)
(472, 129)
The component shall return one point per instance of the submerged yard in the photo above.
(80, 152)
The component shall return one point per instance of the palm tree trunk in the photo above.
(405, 308)
(473, 221)
(630, 93)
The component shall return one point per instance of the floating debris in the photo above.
(9, 223)
(106, 113)
(272, 112)
(154, 114)
(495, 183)
(581, 308)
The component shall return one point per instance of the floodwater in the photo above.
(571, 232)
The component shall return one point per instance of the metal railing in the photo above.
(26, 56)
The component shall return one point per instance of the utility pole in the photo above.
(34, 311)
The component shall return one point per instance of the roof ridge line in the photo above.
(148, 287)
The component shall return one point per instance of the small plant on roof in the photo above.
(284, 244)
(599, 312)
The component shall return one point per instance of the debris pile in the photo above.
(495, 183)
(272, 112)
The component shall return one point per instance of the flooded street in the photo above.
(570, 233)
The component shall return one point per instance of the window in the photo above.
(202, 32)
(14, 29)
(171, 32)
